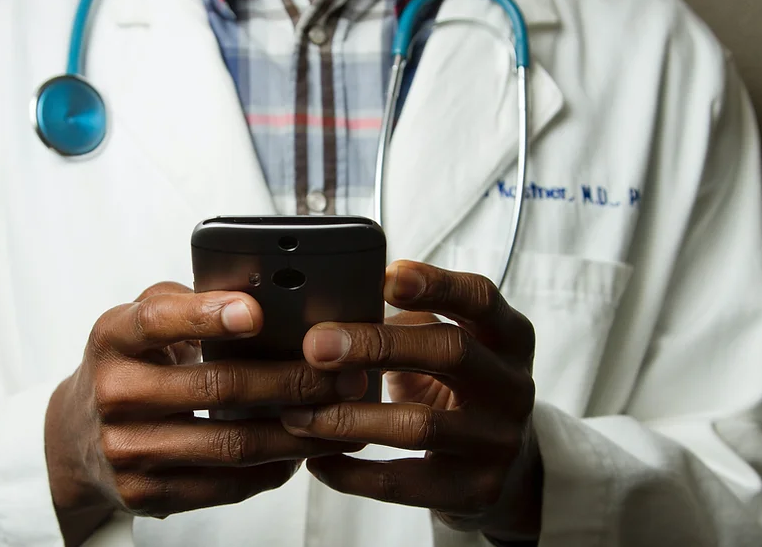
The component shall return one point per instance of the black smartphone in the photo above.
(302, 270)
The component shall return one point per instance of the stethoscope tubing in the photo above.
(404, 41)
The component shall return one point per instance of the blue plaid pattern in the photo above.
(314, 107)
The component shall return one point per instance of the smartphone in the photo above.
(302, 270)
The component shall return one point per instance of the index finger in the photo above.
(472, 300)
(166, 319)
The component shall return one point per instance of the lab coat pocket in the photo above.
(571, 301)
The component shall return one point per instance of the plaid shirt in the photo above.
(311, 78)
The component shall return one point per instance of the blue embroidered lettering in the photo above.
(501, 188)
(587, 196)
(603, 196)
(634, 197)
(593, 195)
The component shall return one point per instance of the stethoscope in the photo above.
(69, 114)
(402, 44)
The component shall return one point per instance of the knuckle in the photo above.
(505, 435)
(488, 489)
(230, 445)
(109, 394)
(439, 286)
(116, 449)
(389, 485)
(457, 347)
(163, 287)
(146, 315)
(526, 397)
(419, 428)
(130, 447)
(143, 496)
(488, 298)
(528, 335)
(379, 343)
(218, 384)
(132, 493)
(304, 384)
(202, 315)
(100, 338)
(342, 420)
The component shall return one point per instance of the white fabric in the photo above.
(648, 311)
(26, 515)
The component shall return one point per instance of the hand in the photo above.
(464, 394)
(120, 432)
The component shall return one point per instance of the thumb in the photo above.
(187, 352)
(165, 287)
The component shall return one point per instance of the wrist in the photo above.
(79, 505)
(69, 486)
(517, 519)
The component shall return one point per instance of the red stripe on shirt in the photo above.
(312, 120)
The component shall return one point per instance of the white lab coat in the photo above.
(640, 259)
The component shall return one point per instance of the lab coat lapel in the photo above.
(169, 93)
(458, 132)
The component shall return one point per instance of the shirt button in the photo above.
(317, 35)
(316, 201)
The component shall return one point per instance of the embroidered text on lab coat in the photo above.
(590, 195)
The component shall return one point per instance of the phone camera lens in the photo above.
(288, 243)
(289, 279)
(255, 279)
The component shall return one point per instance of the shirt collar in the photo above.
(224, 8)
(229, 8)
(536, 12)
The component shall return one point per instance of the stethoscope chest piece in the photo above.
(69, 115)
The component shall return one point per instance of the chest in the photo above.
(85, 236)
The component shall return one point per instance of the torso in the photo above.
(79, 238)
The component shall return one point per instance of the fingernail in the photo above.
(237, 319)
(351, 385)
(408, 284)
(330, 345)
(298, 418)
